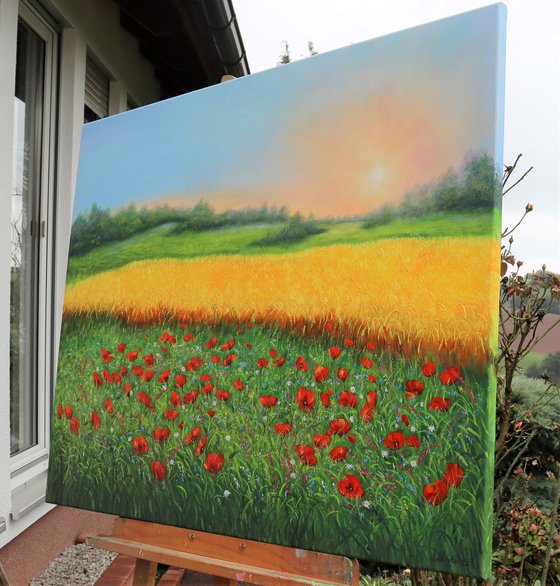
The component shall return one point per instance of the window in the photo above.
(30, 239)
(96, 93)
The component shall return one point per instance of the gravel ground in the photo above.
(78, 565)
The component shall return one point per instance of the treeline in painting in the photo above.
(293, 348)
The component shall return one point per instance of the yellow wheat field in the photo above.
(426, 293)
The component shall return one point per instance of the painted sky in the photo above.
(340, 133)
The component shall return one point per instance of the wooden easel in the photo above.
(229, 559)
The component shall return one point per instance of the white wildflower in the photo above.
(228, 438)
(412, 428)
(413, 463)
(384, 454)
(351, 419)
(432, 428)
(227, 493)
(353, 390)
(293, 475)
(367, 504)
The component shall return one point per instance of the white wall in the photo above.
(85, 26)
(8, 24)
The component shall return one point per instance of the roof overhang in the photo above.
(191, 43)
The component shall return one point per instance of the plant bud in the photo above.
(529, 207)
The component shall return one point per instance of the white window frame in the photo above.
(32, 463)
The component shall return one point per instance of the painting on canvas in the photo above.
(280, 304)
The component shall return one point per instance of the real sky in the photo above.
(532, 123)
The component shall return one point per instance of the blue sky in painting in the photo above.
(279, 136)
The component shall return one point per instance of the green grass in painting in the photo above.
(264, 491)
(161, 242)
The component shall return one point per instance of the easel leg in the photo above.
(144, 573)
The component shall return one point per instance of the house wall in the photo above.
(87, 27)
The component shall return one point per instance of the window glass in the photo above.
(25, 238)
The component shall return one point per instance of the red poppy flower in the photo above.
(372, 378)
(222, 395)
(163, 338)
(194, 363)
(334, 351)
(371, 399)
(395, 440)
(175, 399)
(348, 399)
(161, 434)
(149, 360)
(74, 426)
(205, 378)
(215, 358)
(306, 454)
(188, 337)
(348, 342)
(305, 399)
(68, 411)
(279, 362)
(413, 389)
(211, 412)
(338, 454)
(107, 376)
(429, 369)
(454, 474)
(370, 346)
(366, 413)
(228, 345)
(351, 438)
(132, 356)
(180, 380)
(405, 419)
(351, 487)
(321, 373)
(249, 345)
(412, 441)
(137, 370)
(262, 362)
(201, 445)
(95, 421)
(127, 388)
(439, 404)
(97, 379)
(59, 411)
(238, 384)
(124, 370)
(282, 428)
(145, 400)
(109, 406)
(147, 375)
(273, 353)
(322, 441)
(171, 414)
(342, 374)
(116, 377)
(326, 399)
(207, 389)
(435, 493)
(158, 470)
(106, 356)
(340, 426)
(211, 343)
(450, 375)
(193, 435)
(191, 397)
(214, 463)
(229, 359)
(366, 362)
(268, 400)
(121, 347)
(140, 445)
(301, 364)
